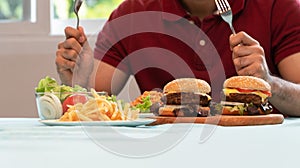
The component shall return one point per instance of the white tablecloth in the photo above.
(28, 143)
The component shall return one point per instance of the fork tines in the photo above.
(225, 12)
(223, 5)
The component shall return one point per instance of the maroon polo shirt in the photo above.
(157, 40)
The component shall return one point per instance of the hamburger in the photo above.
(186, 97)
(246, 95)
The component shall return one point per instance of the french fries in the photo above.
(99, 108)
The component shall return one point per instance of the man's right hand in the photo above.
(74, 58)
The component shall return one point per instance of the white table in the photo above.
(28, 143)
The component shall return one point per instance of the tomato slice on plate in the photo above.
(72, 100)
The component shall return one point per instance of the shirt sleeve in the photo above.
(109, 50)
(109, 47)
(286, 28)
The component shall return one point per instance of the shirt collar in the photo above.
(174, 7)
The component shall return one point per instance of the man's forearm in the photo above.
(285, 96)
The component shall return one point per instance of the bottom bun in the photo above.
(229, 111)
(184, 111)
(166, 111)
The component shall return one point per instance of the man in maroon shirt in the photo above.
(159, 40)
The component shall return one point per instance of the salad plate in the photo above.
(128, 123)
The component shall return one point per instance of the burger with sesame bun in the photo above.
(186, 97)
(246, 95)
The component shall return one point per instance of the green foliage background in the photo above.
(11, 9)
(91, 9)
(63, 9)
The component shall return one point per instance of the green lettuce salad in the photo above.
(145, 106)
(49, 84)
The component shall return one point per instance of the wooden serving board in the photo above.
(223, 120)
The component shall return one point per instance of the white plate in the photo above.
(132, 123)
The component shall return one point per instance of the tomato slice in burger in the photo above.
(248, 90)
(267, 93)
(244, 90)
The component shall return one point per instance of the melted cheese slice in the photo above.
(227, 91)
(203, 94)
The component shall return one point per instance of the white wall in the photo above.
(27, 54)
(24, 61)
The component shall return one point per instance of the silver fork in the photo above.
(77, 6)
(225, 12)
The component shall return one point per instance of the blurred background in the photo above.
(30, 31)
(13, 10)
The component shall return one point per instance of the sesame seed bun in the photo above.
(247, 82)
(187, 85)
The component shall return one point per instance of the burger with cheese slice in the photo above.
(186, 97)
(246, 95)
